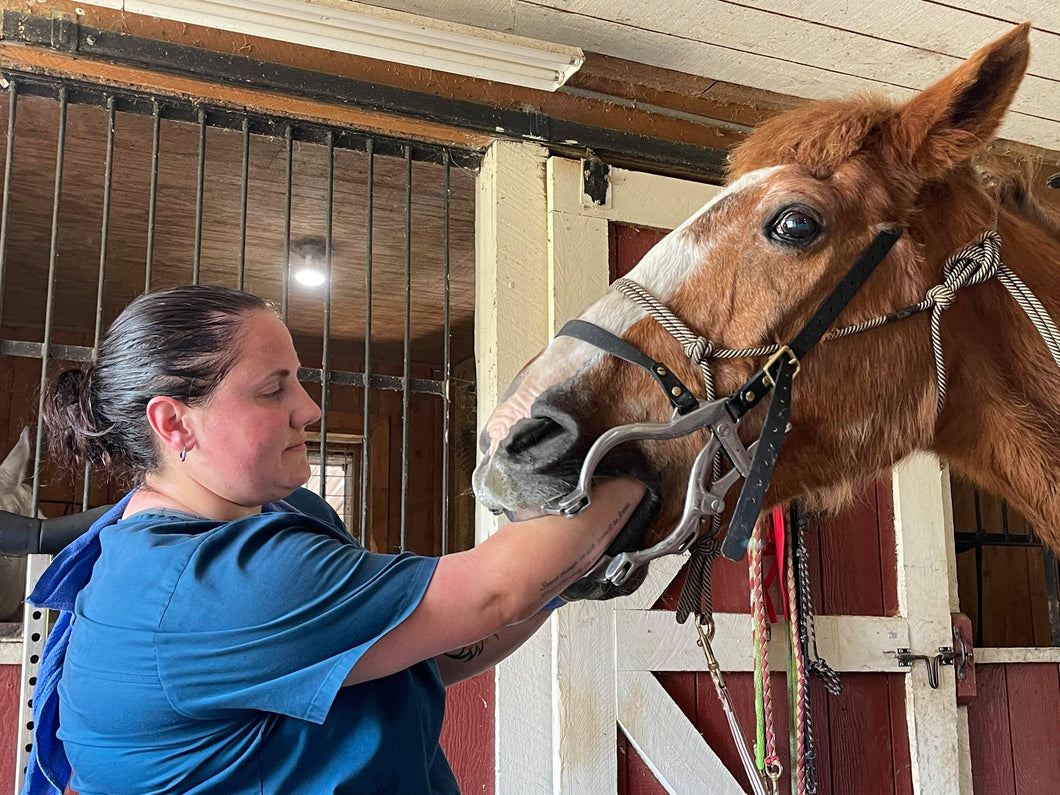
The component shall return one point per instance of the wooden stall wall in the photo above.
(1011, 723)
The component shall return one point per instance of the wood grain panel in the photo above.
(990, 735)
(1034, 709)
(860, 719)
(9, 684)
(467, 733)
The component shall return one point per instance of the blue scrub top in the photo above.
(208, 657)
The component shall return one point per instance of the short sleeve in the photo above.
(269, 615)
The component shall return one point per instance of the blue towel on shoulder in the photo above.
(49, 769)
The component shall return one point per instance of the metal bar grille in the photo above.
(325, 354)
(369, 151)
(244, 197)
(446, 356)
(9, 159)
(407, 347)
(997, 532)
(34, 621)
(152, 207)
(370, 376)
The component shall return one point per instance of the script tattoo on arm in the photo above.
(468, 653)
(581, 564)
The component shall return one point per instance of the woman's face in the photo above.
(249, 438)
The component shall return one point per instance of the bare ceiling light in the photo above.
(308, 260)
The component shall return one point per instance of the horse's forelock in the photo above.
(819, 137)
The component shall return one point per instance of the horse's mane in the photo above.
(1014, 179)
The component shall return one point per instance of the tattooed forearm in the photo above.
(593, 553)
(468, 653)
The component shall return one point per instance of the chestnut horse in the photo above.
(808, 191)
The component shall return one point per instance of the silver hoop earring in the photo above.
(183, 453)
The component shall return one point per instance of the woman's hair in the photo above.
(179, 342)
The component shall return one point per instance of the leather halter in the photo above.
(721, 417)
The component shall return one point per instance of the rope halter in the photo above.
(974, 264)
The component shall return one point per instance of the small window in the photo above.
(342, 475)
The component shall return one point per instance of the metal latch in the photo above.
(962, 658)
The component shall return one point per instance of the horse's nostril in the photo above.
(531, 432)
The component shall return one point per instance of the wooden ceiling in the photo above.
(81, 221)
(810, 49)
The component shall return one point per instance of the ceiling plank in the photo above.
(796, 56)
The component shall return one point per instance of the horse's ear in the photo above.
(948, 122)
(13, 470)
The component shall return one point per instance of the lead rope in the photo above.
(800, 692)
(766, 759)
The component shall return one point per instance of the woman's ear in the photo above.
(167, 417)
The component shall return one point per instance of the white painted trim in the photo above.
(585, 710)
(672, 200)
(921, 492)
(661, 573)
(964, 745)
(667, 742)
(511, 325)
(1001, 656)
(11, 651)
(651, 640)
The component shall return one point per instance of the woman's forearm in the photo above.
(467, 661)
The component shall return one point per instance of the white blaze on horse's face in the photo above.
(663, 270)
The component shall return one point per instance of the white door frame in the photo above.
(558, 699)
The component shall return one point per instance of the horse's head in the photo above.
(15, 497)
(808, 192)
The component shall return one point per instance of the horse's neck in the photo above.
(1002, 416)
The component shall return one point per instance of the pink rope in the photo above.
(760, 633)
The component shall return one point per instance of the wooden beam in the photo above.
(920, 493)
(39, 61)
(511, 325)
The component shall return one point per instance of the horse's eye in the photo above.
(794, 226)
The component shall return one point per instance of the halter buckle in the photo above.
(769, 381)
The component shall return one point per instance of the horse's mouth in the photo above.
(630, 538)
(527, 497)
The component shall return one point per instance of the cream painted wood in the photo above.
(651, 640)
(11, 651)
(671, 747)
(585, 709)
(511, 324)
(1000, 656)
(921, 494)
(826, 49)
(964, 747)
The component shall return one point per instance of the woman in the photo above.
(229, 636)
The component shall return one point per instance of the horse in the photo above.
(806, 192)
(15, 497)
